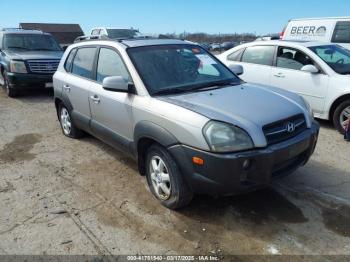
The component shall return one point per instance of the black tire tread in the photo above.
(337, 113)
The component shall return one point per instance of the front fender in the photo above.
(147, 129)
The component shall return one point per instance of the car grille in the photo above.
(43, 66)
(284, 129)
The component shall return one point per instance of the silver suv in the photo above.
(191, 124)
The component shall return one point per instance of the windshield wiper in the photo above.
(170, 91)
(17, 47)
(213, 85)
(44, 49)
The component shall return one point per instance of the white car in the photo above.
(319, 72)
(326, 29)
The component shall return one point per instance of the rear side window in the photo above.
(261, 55)
(83, 62)
(110, 64)
(69, 61)
(341, 32)
(236, 56)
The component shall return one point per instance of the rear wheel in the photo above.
(9, 91)
(165, 180)
(68, 127)
(341, 116)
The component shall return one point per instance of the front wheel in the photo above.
(165, 180)
(9, 91)
(341, 116)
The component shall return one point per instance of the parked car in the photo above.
(326, 29)
(317, 71)
(268, 38)
(215, 47)
(28, 60)
(115, 33)
(192, 125)
(227, 45)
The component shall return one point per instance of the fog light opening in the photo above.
(246, 164)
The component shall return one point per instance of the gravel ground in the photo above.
(64, 196)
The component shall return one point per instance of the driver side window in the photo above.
(110, 64)
(292, 59)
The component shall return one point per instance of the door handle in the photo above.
(95, 98)
(66, 88)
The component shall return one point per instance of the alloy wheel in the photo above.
(65, 121)
(344, 117)
(160, 178)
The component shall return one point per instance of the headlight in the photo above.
(18, 67)
(308, 107)
(223, 137)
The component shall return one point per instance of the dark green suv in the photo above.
(28, 60)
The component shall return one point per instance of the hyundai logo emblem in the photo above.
(290, 127)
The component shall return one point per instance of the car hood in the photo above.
(30, 55)
(247, 106)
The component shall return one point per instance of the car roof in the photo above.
(292, 42)
(132, 42)
(321, 18)
(150, 42)
(23, 32)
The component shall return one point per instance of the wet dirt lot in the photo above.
(64, 196)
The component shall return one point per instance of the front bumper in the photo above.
(225, 174)
(29, 81)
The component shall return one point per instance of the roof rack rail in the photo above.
(14, 29)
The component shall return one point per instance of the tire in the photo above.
(339, 113)
(9, 91)
(67, 126)
(179, 194)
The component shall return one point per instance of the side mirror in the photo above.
(237, 69)
(310, 68)
(116, 84)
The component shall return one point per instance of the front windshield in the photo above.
(123, 33)
(337, 57)
(31, 42)
(179, 68)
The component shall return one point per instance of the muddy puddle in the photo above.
(337, 220)
(19, 148)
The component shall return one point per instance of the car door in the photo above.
(288, 75)
(111, 111)
(257, 63)
(77, 84)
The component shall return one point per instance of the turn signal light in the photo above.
(198, 161)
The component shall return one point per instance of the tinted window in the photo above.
(83, 62)
(179, 68)
(337, 57)
(110, 64)
(292, 59)
(69, 61)
(31, 42)
(341, 33)
(262, 55)
(235, 56)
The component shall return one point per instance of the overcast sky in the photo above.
(168, 16)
